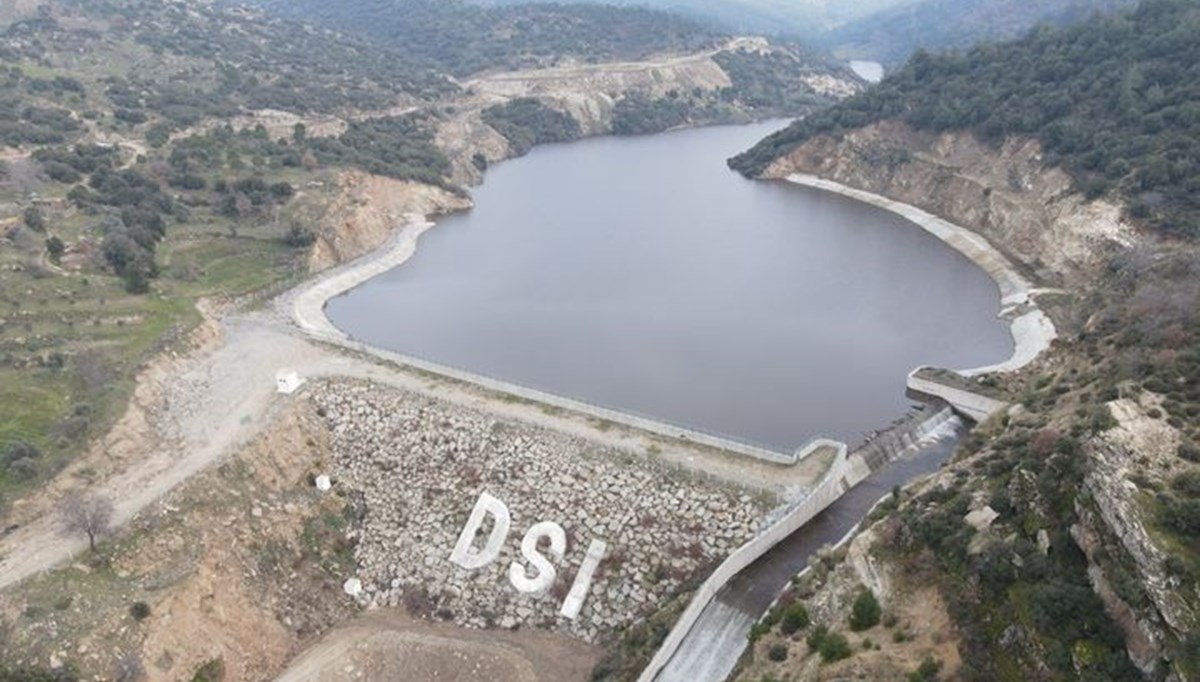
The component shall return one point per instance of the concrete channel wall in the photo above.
(967, 403)
(844, 473)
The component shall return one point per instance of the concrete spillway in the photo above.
(712, 647)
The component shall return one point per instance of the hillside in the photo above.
(804, 18)
(463, 39)
(1113, 101)
(168, 166)
(893, 34)
(1063, 540)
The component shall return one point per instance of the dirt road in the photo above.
(400, 649)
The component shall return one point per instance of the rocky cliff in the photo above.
(365, 211)
(1006, 194)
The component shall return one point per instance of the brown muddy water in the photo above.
(643, 275)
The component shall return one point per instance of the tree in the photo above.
(88, 514)
(794, 618)
(55, 249)
(35, 219)
(865, 613)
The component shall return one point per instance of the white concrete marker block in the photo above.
(288, 381)
(583, 580)
(545, 574)
(323, 483)
(463, 553)
(352, 587)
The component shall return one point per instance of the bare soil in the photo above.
(396, 648)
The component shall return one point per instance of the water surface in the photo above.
(641, 274)
(872, 72)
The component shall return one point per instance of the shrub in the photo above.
(35, 219)
(816, 637)
(1187, 483)
(794, 618)
(55, 249)
(835, 647)
(1189, 452)
(778, 652)
(140, 610)
(757, 631)
(927, 671)
(299, 237)
(24, 469)
(19, 450)
(212, 671)
(1183, 516)
(865, 613)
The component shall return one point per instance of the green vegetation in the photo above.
(1143, 342)
(639, 113)
(464, 39)
(778, 652)
(235, 61)
(865, 612)
(795, 618)
(113, 242)
(525, 122)
(31, 111)
(1115, 101)
(832, 646)
(140, 610)
(212, 671)
(927, 671)
(770, 83)
(892, 35)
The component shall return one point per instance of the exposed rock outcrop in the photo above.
(1006, 194)
(366, 211)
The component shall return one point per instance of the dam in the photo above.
(643, 276)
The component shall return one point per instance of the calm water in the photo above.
(872, 72)
(642, 274)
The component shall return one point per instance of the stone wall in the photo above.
(419, 465)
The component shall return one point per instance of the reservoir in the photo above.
(641, 274)
(871, 72)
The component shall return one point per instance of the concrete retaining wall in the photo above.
(973, 405)
(842, 475)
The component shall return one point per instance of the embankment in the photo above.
(1031, 328)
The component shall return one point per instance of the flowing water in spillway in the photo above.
(717, 641)
(641, 274)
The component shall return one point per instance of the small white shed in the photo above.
(288, 381)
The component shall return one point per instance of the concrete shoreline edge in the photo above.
(1031, 329)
